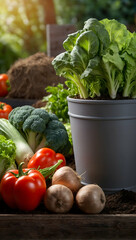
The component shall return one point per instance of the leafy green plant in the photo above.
(100, 60)
(57, 101)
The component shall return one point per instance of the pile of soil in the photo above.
(122, 202)
(30, 76)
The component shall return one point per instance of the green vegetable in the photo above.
(57, 101)
(23, 151)
(7, 155)
(100, 60)
(40, 128)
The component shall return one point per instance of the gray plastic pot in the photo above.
(104, 142)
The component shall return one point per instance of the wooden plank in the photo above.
(67, 226)
(55, 35)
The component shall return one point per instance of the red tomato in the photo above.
(46, 157)
(5, 109)
(4, 85)
(24, 192)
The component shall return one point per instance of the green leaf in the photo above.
(115, 59)
(7, 155)
(64, 67)
(130, 75)
(117, 32)
(93, 68)
(79, 59)
(70, 42)
(131, 50)
(89, 42)
(99, 29)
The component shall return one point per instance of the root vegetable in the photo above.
(68, 177)
(91, 199)
(58, 199)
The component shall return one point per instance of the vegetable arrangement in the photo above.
(26, 188)
(32, 129)
(100, 60)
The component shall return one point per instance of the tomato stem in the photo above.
(46, 172)
(49, 171)
(20, 171)
(2, 106)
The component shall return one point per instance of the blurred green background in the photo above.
(23, 22)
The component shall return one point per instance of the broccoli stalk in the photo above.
(31, 139)
(41, 144)
(23, 150)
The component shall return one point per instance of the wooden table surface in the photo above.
(67, 226)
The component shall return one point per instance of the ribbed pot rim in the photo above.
(107, 101)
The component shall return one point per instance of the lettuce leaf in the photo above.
(130, 76)
(7, 155)
(118, 33)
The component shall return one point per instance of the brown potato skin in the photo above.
(91, 199)
(58, 199)
(68, 177)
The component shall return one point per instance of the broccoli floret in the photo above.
(34, 127)
(18, 115)
(56, 136)
(40, 128)
(55, 124)
(53, 116)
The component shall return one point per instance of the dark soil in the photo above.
(122, 202)
(118, 97)
(30, 76)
